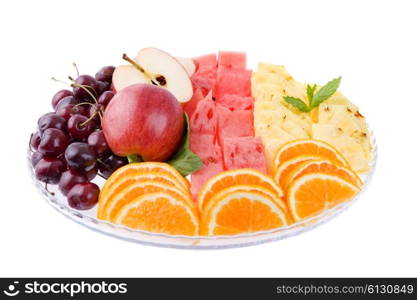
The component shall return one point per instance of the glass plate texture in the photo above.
(89, 219)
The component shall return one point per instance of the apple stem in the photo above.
(76, 68)
(140, 68)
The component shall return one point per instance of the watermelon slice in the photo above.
(207, 148)
(232, 82)
(231, 59)
(235, 102)
(204, 118)
(234, 123)
(190, 106)
(244, 152)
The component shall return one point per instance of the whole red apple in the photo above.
(145, 120)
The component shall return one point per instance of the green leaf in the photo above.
(133, 158)
(325, 92)
(297, 103)
(185, 161)
(310, 92)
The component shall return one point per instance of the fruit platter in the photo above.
(200, 152)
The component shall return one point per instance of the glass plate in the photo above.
(89, 219)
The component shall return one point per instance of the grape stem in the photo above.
(76, 68)
(46, 188)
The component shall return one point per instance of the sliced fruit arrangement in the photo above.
(287, 110)
(201, 146)
(314, 176)
(149, 196)
(240, 201)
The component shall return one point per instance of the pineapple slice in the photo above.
(271, 147)
(286, 121)
(351, 149)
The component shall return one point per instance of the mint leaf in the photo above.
(297, 103)
(184, 160)
(325, 92)
(310, 92)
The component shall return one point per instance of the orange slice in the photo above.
(132, 190)
(325, 167)
(309, 147)
(281, 173)
(245, 187)
(147, 167)
(312, 193)
(236, 177)
(161, 213)
(242, 212)
(159, 172)
(127, 181)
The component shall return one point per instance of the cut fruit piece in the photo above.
(207, 148)
(166, 71)
(244, 187)
(242, 212)
(234, 123)
(244, 152)
(229, 59)
(324, 167)
(283, 170)
(309, 147)
(190, 106)
(205, 75)
(235, 102)
(126, 75)
(232, 82)
(159, 212)
(188, 65)
(204, 118)
(146, 179)
(271, 146)
(353, 151)
(313, 193)
(149, 168)
(132, 189)
(236, 177)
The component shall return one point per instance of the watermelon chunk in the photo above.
(204, 118)
(205, 75)
(244, 152)
(235, 102)
(190, 106)
(231, 59)
(234, 123)
(207, 148)
(206, 62)
(232, 82)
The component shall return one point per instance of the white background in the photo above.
(372, 44)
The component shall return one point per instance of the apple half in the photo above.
(157, 67)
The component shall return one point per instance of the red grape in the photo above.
(89, 83)
(105, 74)
(91, 174)
(51, 120)
(97, 140)
(110, 164)
(105, 98)
(102, 86)
(83, 196)
(70, 100)
(35, 140)
(70, 178)
(80, 127)
(59, 95)
(81, 156)
(53, 142)
(49, 169)
(36, 157)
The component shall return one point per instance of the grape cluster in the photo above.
(69, 148)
